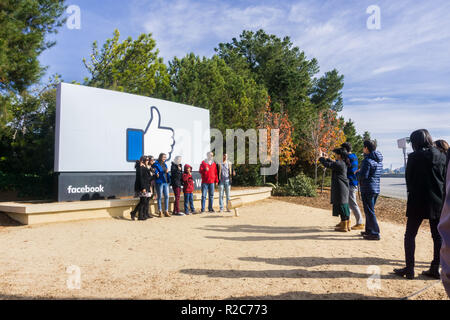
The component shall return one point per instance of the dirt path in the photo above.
(274, 250)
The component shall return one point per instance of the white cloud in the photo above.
(182, 26)
(370, 100)
(386, 69)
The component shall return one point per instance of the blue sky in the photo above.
(397, 78)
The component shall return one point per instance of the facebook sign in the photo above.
(101, 133)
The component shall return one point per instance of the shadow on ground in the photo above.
(294, 295)
(304, 295)
(6, 221)
(247, 228)
(290, 274)
(320, 261)
(273, 231)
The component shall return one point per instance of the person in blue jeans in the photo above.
(225, 174)
(208, 171)
(369, 175)
(207, 192)
(188, 188)
(162, 184)
(353, 187)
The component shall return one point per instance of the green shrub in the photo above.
(247, 175)
(28, 185)
(300, 185)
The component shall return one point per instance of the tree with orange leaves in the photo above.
(323, 134)
(278, 120)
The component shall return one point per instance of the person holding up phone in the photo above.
(339, 186)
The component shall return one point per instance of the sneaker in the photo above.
(371, 237)
(221, 210)
(211, 211)
(187, 213)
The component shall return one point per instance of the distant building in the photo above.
(399, 170)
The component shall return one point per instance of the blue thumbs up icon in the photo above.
(154, 140)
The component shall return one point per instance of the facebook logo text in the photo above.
(85, 189)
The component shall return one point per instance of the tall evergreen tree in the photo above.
(232, 98)
(354, 139)
(278, 65)
(24, 25)
(131, 66)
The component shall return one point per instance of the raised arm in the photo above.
(327, 163)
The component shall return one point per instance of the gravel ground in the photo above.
(273, 250)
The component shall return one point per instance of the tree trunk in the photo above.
(315, 172)
(323, 179)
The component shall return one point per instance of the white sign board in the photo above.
(402, 143)
(100, 130)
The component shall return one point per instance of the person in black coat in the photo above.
(425, 179)
(339, 187)
(144, 178)
(147, 177)
(176, 173)
(137, 183)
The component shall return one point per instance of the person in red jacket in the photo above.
(208, 171)
(188, 188)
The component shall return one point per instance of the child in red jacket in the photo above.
(188, 188)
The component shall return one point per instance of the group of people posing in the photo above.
(153, 178)
(425, 176)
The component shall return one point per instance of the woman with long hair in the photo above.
(146, 191)
(425, 177)
(339, 187)
(151, 161)
(176, 173)
(442, 146)
(142, 186)
(137, 185)
(162, 184)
